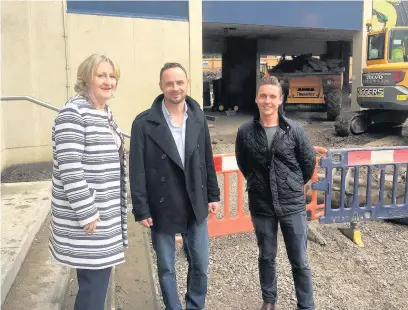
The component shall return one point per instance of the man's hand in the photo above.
(147, 222)
(213, 207)
(91, 227)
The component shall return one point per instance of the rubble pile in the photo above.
(210, 75)
(306, 63)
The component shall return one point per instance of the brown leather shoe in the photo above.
(266, 306)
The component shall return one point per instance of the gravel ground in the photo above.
(344, 275)
(27, 173)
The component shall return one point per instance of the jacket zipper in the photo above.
(275, 198)
(271, 155)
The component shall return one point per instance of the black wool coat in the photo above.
(161, 188)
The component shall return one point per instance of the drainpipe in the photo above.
(66, 45)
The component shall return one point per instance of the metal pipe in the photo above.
(66, 48)
(31, 99)
(41, 103)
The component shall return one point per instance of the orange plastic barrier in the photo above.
(226, 165)
(313, 209)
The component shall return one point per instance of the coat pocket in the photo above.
(294, 184)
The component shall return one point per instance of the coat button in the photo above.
(161, 199)
(163, 156)
(163, 179)
(198, 145)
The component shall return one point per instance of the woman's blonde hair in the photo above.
(87, 69)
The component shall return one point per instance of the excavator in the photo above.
(384, 91)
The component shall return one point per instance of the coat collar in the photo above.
(162, 135)
(156, 114)
(283, 122)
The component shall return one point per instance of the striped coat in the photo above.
(89, 181)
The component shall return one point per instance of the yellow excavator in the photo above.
(384, 90)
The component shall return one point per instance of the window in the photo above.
(376, 46)
(398, 46)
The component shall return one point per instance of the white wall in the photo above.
(32, 64)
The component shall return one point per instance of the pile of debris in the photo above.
(307, 64)
(210, 75)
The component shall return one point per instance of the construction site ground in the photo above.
(344, 276)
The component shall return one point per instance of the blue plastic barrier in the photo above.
(356, 211)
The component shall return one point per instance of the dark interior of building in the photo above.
(241, 45)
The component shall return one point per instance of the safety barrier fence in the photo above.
(340, 200)
(355, 203)
(226, 165)
(315, 209)
(363, 209)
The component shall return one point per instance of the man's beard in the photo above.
(176, 101)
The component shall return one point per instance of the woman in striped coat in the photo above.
(89, 210)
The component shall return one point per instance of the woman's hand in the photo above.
(91, 227)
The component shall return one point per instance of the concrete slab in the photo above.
(24, 207)
(40, 283)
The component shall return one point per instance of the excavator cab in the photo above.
(376, 46)
(394, 40)
(398, 49)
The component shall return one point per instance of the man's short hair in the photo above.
(269, 80)
(170, 65)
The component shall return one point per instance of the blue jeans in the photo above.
(294, 231)
(196, 248)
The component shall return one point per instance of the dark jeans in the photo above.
(294, 231)
(195, 243)
(93, 285)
